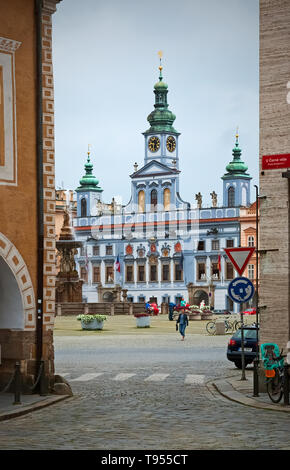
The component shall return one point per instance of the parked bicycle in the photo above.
(274, 370)
(230, 326)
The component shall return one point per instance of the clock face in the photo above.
(154, 144)
(170, 143)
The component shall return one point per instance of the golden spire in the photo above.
(237, 135)
(160, 54)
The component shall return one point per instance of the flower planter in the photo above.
(196, 317)
(143, 321)
(92, 325)
(92, 322)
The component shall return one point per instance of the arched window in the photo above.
(166, 199)
(244, 196)
(83, 207)
(231, 197)
(141, 201)
(153, 200)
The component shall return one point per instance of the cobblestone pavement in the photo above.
(145, 393)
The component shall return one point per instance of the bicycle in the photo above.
(211, 326)
(274, 370)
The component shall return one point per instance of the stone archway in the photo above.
(11, 309)
(108, 297)
(199, 296)
(17, 315)
(17, 303)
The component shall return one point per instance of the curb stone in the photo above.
(25, 409)
(227, 389)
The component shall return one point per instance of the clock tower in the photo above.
(161, 139)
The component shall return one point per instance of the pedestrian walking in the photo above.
(183, 323)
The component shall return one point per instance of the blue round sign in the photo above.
(241, 289)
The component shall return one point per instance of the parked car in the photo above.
(234, 350)
(250, 311)
(222, 312)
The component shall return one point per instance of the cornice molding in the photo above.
(9, 45)
(49, 6)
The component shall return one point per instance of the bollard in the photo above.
(17, 384)
(256, 378)
(220, 327)
(286, 385)
(43, 381)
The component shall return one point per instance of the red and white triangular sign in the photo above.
(240, 257)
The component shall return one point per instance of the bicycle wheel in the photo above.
(229, 326)
(237, 325)
(210, 327)
(274, 387)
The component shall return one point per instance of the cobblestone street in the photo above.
(145, 392)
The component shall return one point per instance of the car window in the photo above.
(248, 334)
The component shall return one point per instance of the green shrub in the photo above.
(89, 318)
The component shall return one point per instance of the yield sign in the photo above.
(240, 257)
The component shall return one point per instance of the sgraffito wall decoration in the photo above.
(8, 141)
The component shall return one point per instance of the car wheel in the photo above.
(238, 364)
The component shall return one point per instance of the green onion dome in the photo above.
(89, 181)
(161, 119)
(236, 168)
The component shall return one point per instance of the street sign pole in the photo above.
(243, 345)
(241, 290)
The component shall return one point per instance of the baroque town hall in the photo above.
(159, 247)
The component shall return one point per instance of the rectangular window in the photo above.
(84, 274)
(251, 271)
(109, 250)
(141, 273)
(200, 246)
(215, 271)
(109, 274)
(178, 272)
(153, 273)
(229, 271)
(82, 251)
(201, 276)
(165, 272)
(215, 245)
(230, 244)
(130, 273)
(96, 274)
(251, 241)
(96, 250)
(8, 134)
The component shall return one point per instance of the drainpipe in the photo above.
(39, 143)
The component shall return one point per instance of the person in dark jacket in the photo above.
(183, 323)
(171, 309)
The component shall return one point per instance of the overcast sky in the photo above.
(105, 67)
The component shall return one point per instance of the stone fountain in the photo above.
(68, 283)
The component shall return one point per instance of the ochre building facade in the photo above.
(27, 189)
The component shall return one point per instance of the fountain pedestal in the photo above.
(68, 283)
